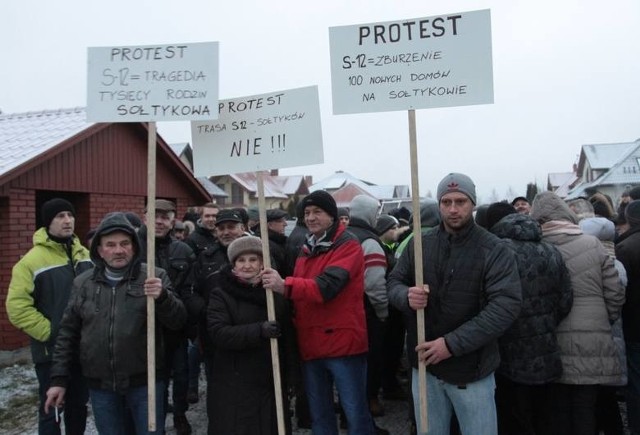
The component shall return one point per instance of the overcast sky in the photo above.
(566, 73)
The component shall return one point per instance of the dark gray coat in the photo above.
(529, 350)
(474, 297)
(106, 326)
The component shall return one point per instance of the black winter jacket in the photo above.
(200, 239)
(474, 297)
(242, 388)
(529, 350)
(628, 252)
(107, 326)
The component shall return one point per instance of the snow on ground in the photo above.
(19, 401)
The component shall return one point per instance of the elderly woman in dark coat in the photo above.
(243, 399)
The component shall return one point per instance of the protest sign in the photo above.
(175, 82)
(438, 61)
(260, 132)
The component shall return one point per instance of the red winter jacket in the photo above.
(327, 289)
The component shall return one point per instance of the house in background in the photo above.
(562, 182)
(607, 168)
(184, 151)
(280, 191)
(98, 167)
(344, 187)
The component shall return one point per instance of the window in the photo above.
(237, 196)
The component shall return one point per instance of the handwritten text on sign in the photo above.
(260, 132)
(153, 83)
(439, 61)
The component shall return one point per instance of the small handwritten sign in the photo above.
(260, 132)
(173, 82)
(438, 61)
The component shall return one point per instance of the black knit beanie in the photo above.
(51, 208)
(323, 200)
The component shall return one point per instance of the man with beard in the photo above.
(473, 292)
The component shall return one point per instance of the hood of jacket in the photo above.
(518, 226)
(547, 206)
(114, 222)
(429, 213)
(365, 208)
(602, 228)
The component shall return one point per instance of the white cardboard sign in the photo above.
(260, 132)
(438, 61)
(173, 82)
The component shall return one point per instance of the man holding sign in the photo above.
(328, 297)
(472, 295)
(104, 327)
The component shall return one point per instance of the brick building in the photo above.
(98, 167)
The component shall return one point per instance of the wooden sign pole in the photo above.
(417, 247)
(271, 312)
(151, 261)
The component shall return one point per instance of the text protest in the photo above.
(429, 62)
(261, 132)
(153, 83)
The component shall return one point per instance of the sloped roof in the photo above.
(603, 156)
(24, 136)
(341, 179)
(565, 180)
(210, 187)
(345, 194)
(249, 181)
(556, 179)
(626, 170)
(338, 180)
(389, 191)
(289, 184)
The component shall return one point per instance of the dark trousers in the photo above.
(375, 332)
(607, 411)
(195, 361)
(393, 346)
(522, 409)
(75, 403)
(177, 366)
(207, 357)
(633, 386)
(574, 409)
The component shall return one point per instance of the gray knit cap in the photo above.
(244, 245)
(456, 182)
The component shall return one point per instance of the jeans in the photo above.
(350, 375)
(633, 386)
(75, 407)
(109, 408)
(195, 360)
(177, 366)
(474, 406)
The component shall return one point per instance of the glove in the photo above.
(270, 329)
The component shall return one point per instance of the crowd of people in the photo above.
(531, 311)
